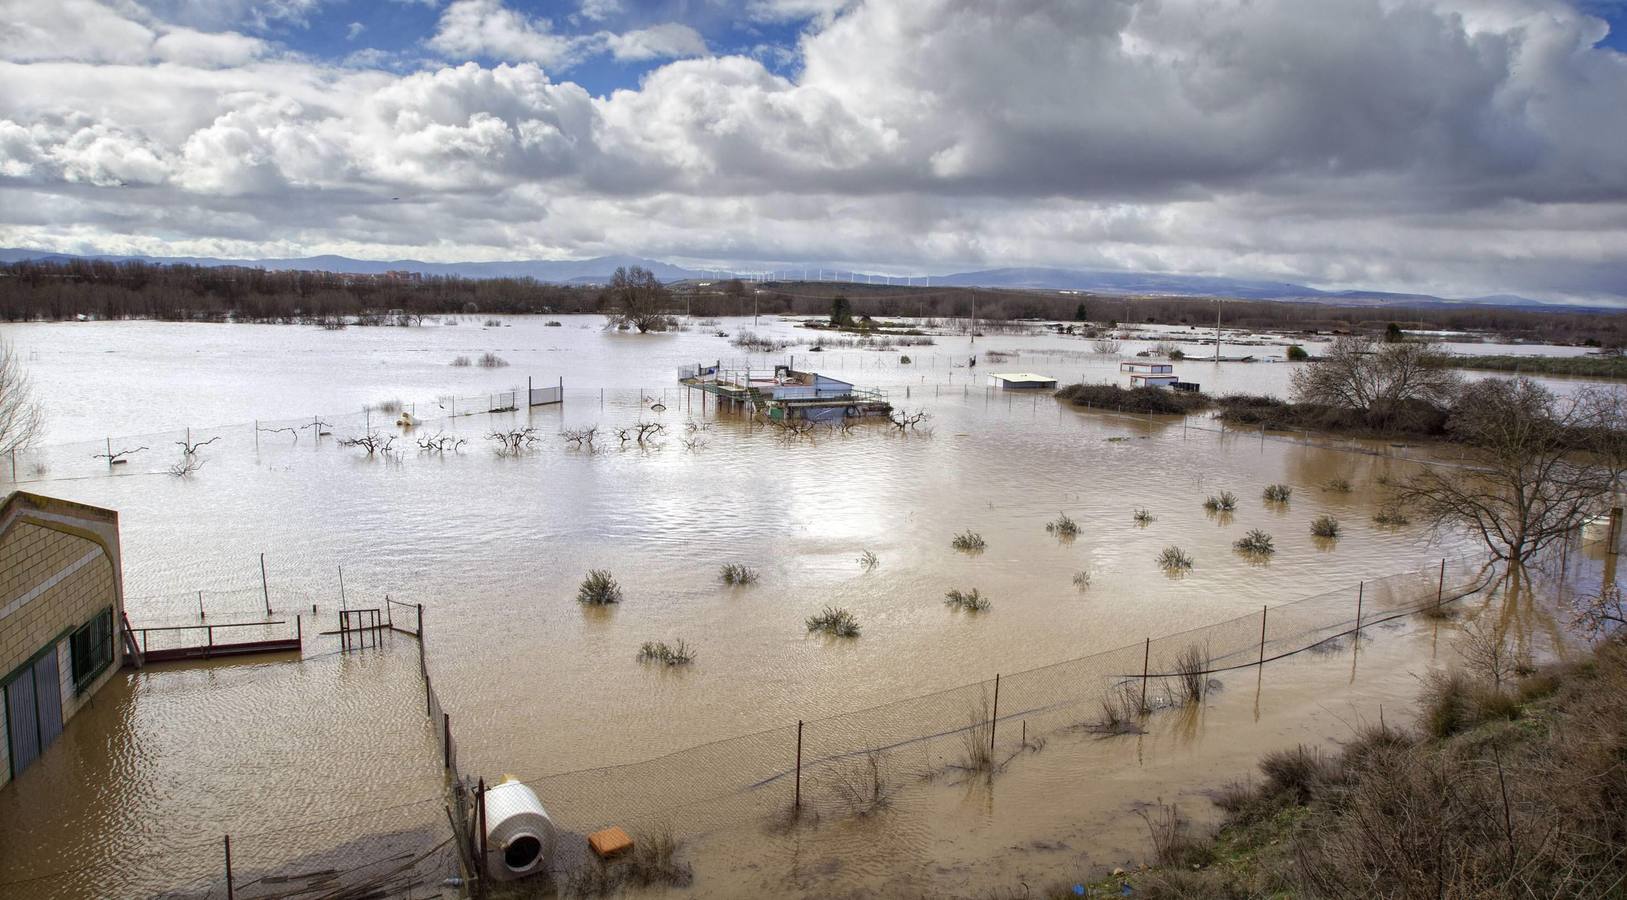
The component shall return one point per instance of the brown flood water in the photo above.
(493, 547)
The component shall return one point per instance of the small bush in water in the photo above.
(675, 654)
(968, 540)
(971, 600)
(1174, 559)
(1063, 526)
(1325, 527)
(737, 573)
(1256, 542)
(1143, 517)
(1225, 502)
(598, 589)
(1278, 493)
(836, 621)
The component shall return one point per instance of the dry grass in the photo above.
(1192, 673)
(652, 862)
(977, 750)
(1122, 710)
(864, 787)
(1475, 806)
(969, 541)
(1173, 839)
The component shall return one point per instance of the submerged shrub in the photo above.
(1392, 516)
(598, 589)
(675, 654)
(968, 540)
(1337, 486)
(1143, 517)
(1256, 542)
(970, 601)
(1081, 580)
(1063, 526)
(461, 362)
(1325, 527)
(869, 560)
(737, 573)
(490, 360)
(835, 621)
(1226, 501)
(1174, 559)
(1278, 493)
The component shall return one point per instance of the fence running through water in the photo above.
(811, 767)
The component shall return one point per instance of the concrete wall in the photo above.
(59, 568)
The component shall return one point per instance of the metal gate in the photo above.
(33, 710)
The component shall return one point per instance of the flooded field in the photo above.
(493, 546)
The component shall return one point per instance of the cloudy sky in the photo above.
(1460, 147)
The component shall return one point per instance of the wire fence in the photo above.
(824, 767)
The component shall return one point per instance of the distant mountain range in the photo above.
(599, 269)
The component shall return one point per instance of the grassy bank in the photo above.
(1411, 419)
(1514, 787)
(1589, 366)
(1135, 400)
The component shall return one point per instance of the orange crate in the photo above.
(610, 841)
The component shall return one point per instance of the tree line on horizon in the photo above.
(57, 290)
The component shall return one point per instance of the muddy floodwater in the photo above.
(494, 545)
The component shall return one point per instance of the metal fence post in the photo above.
(1146, 658)
(994, 718)
(480, 806)
(446, 738)
(265, 589)
(1440, 588)
(797, 803)
(231, 890)
(1262, 636)
(1361, 588)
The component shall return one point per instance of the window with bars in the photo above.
(92, 646)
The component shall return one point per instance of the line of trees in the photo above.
(56, 290)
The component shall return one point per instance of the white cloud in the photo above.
(668, 41)
(599, 10)
(354, 30)
(486, 28)
(1456, 146)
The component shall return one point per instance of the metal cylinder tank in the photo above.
(520, 837)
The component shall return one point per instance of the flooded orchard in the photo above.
(494, 545)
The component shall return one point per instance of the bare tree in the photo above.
(639, 300)
(640, 431)
(1107, 346)
(1541, 466)
(192, 449)
(441, 442)
(189, 463)
(372, 442)
(581, 437)
(903, 419)
(22, 419)
(115, 458)
(1360, 373)
(514, 441)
